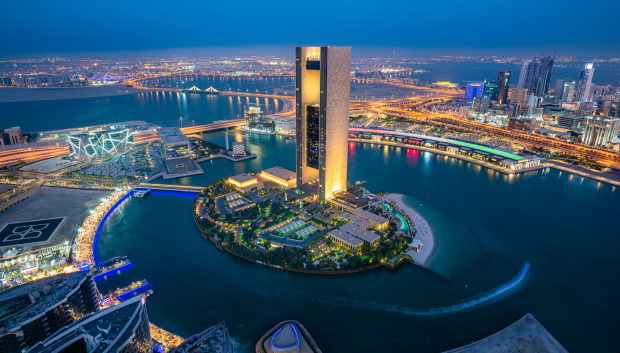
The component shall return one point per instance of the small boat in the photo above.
(290, 139)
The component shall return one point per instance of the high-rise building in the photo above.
(503, 82)
(481, 105)
(582, 92)
(528, 75)
(491, 89)
(541, 88)
(518, 95)
(474, 89)
(43, 307)
(322, 98)
(560, 84)
(122, 328)
(599, 130)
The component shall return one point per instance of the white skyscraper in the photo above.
(585, 82)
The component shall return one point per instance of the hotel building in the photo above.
(122, 328)
(322, 118)
(41, 308)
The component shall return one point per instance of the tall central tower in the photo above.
(322, 80)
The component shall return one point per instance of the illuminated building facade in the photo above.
(41, 308)
(541, 87)
(474, 90)
(176, 145)
(582, 93)
(528, 76)
(490, 90)
(600, 131)
(503, 83)
(322, 117)
(100, 144)
(255, 120)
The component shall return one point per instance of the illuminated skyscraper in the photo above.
(322, 97)
(503, 82)
(582, 92)
(541, 87)
(528, 75)
(491, 89)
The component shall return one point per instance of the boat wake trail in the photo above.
(468, 304)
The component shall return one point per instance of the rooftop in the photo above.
(243, 178)
(346, 237)
(281, 173)
(355, 220)
(172, 135)
(525, 335)
(213, 339)
(358, 201)
(360, 233)
(111, 328)
(370, 216)
(46, 292)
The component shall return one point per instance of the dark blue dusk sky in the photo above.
(377, 28)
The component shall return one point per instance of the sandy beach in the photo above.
(424, 232)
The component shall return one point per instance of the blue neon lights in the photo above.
(289, 347)
(110, 271)
(105, 218)
(134, 290)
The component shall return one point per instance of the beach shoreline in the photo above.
(424, 232)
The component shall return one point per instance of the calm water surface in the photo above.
(487, 226)
(159, 108)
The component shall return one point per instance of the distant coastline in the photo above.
(23, 94)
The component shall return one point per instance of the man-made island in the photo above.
(257, 216)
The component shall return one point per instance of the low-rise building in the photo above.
(245, 182)
(238, 149)
(283, 177)
(360, 222)
(10, 136)
(352, 237)
(285, 125)
(522, 163)
(378, 222)
(99, 144)
(521, 124)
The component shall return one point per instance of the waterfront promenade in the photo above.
(424, 232)
(545, 163)
(457, 156)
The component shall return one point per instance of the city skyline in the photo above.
(267, 182)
